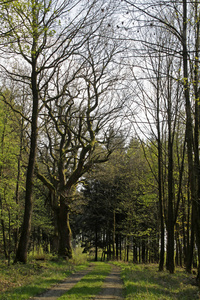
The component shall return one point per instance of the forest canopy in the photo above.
(99, 130)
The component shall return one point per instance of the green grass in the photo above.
(21, 281)
(145, 282)
(90, 285)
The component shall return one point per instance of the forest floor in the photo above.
(83, 279)
(112, 287)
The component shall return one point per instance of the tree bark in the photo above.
(16, 232)
(196, 139)
(160, 183)
(65, 248)
(193, 172)
(170, 217)
(162, 228)
(22, 250)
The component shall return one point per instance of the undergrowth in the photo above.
(145, 282)
(22, 281)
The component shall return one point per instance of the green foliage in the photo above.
(42, 213)
(9, 158)
(97, 214)
(120, 199)
(138, 200)
(23, 20)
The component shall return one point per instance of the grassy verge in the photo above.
(20, 282)
(90, 285)
(145, 282)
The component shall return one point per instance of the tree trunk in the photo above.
(4, 239)
(127, 249)
(170, 221)
(120, 247)
(65, 248)
(16, 232)
(179, 251)
(193, 170)
(55, 238)
(143, 251)
(22, 249)
(96, 242)
(190, 246)
(117, 246)
(114, 233)
(162, 230)
(135, 258)
(196, 138)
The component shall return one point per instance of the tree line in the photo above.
(99, 129)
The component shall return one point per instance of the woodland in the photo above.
(99, 130)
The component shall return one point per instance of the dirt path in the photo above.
(112, 287)
(58, 290)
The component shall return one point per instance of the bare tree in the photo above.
(39, 36)
(79, 126)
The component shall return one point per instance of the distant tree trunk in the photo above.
(135, 258)
(127, 249)
(140, 257)
(120, 246)
(156, 248)
(190, 245)
(114, 233)
(117, 246)
(147, 252)
(109, 245)
(96, 242)
(143, 251)
(183, 220)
